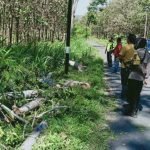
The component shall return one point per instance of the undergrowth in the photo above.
(82, 126)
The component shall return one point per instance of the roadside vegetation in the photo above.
(83, 124)
(32, 59)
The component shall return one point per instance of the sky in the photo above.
(82, 7)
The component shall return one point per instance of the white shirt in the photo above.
(145, 66)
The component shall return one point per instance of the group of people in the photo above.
(135, 69)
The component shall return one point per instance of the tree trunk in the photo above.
(29, 106)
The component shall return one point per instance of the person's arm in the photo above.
(147, 65)
(147, 71)
(115, 50)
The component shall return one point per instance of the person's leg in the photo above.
(131, 98)
(126, 75)
(139, 89)
(124, 81)
(117, 65)
(133, 95)
(114, 66)
(108, 58)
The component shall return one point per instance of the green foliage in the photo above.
(80, 125)
(91, 18)
(13, 134)
(94, 4)
(1, 132)
(80, 30)
(21, 65)
(70, 129)
(121, 17)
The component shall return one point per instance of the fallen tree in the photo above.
(24, 94)
(29, 106)
(11, 114)
(72, 83)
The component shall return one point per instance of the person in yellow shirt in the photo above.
(125, 56)
(109, 49)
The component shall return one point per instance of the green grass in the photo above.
(83, 125)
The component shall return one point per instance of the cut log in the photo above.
(71, 83)
(24, 94)
(30, 93)
(29, 106)
(31, 140)
(11, 114)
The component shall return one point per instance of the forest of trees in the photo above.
(26, 20)
(120, 17)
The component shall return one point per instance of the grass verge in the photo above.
(81, 127)
(84, 126)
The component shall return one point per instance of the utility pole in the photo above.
(74, 7)
(145, 30)
(67, 49)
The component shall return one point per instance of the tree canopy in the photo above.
(122, 17)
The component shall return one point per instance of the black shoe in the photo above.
(134, 114)
(140, 107)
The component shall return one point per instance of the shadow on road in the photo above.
(130, 131)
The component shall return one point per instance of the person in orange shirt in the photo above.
(116, 53)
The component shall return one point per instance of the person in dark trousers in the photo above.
(125, 56)
(137, 77)
(116, 53)
(109, 49)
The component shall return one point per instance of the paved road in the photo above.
(132, 133)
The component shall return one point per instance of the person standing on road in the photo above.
(125, 56)
(116, 53)
(109, 49)
(137, 77)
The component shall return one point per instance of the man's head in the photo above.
(111, 39)
(131, 39)
(141, 43)
(119, 40)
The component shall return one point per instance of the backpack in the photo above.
(135, 63)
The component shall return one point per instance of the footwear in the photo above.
(131, 114)
(140, 108)
(134, 114)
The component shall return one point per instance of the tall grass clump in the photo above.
(22, 65)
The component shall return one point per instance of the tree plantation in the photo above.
(26, 20)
